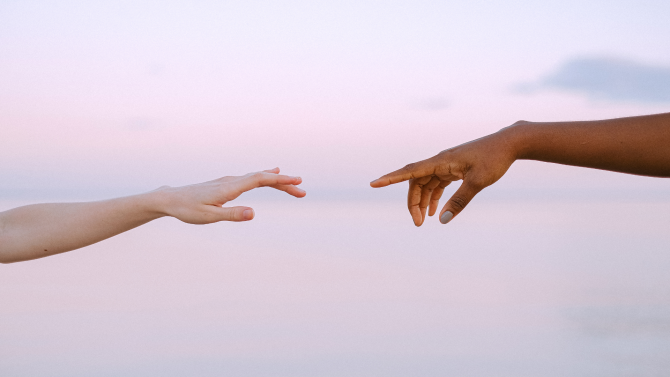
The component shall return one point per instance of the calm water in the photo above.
(333, 287)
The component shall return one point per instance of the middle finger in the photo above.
(426, 193)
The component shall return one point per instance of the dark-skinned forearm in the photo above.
(636, 145)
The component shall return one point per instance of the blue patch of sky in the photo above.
(611, 79)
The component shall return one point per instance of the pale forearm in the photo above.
(40, 230)
(635, 145)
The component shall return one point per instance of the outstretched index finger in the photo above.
(414, 170)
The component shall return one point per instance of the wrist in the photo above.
(157, 202)
(518, 140)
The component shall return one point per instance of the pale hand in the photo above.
(203, 203)
(40, 230)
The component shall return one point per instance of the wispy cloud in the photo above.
(610, 79)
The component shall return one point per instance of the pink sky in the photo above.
(137, 95)
(103, 98)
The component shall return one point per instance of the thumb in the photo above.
(458, 201)
(235, 213)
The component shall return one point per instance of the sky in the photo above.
(331, 288)
(552, 271)
(111, 98)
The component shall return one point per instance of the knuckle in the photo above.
(458, 202)
(447, 153)
(226, 191)
(425, 181)
(410, 166)
(258, 178)
(207, 217)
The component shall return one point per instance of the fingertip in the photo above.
(446, 217)
(377, 183)
(417, 220)
(297, 192)
(248, 214)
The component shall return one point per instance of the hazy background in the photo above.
(552, 271)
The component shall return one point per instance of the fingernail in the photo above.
(446, 217)
(248, 214)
